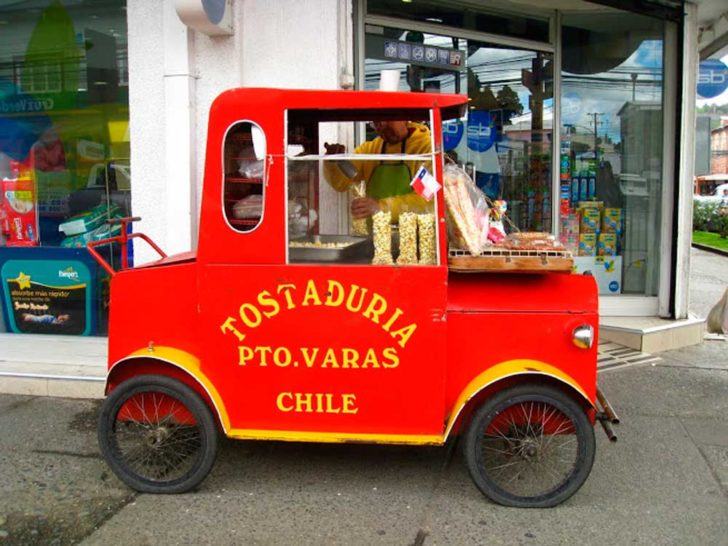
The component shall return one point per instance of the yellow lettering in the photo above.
(263, 352)
(319, 402)
(391, 354)
(246, 353)
(335, 296)
(309, 358)
(330, 358)
(279, 401)
(227, 326)
(404, 334)
(350, 358)
(311, 294)
(303, 399)
(376, 308)
(330, 406)
(352, 293)
(371, 359)
(285, 360)
(349, 403)
(255, 318)
(397, 313)
(286, 289)
(266, 300)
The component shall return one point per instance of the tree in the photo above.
(508, 100)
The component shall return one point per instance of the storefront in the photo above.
(578, 119)
(568, 122)
(64, 159)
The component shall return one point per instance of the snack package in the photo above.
(359, 225)
(89, 220)
(382, 229)
(426, 236)
(407, 239)
(467, 211)
(248, 207)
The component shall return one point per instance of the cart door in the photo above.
(335, 349)
(327, 345)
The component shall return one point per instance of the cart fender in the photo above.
(510, 368)
(186, 362)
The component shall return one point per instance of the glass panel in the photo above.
(611, 148)
(481, 17)
(243, 190)
(351, 203)
(64, 159)
(507, 142)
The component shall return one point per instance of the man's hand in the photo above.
(334, 148)
(363, 207)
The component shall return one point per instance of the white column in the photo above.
(687, 161)
(179, 150)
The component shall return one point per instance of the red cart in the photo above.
(279, 327)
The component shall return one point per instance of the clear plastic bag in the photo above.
(467, 211)
(382, 235)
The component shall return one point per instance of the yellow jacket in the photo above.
(418, 142)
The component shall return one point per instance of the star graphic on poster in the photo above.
(23, 281)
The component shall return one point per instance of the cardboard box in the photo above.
(612, 220)
(606, 270)
(590, 220)
(607, 244)
(587, 244)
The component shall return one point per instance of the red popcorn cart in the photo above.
(339, 293)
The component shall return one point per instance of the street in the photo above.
(665, 481)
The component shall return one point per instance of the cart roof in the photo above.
(306, 99)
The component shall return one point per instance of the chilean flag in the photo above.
(425, 184)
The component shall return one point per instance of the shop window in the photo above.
(611, 148)
(243, 191)
(505, 142)
(64, 161)
(349, 199)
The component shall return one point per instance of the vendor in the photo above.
(387, 183)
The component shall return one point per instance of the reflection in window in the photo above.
(611, 148)
(244, 160)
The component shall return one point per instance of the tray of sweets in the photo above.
(512, 260)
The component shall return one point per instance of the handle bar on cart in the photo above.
(122, 239)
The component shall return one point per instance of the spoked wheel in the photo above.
(530, 446)
(157, 435)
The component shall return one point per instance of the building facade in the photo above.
(103, 112)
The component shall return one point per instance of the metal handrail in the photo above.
(122, 239)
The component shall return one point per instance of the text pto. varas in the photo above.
(351, 298)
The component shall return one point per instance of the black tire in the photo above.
(530, 446)
(157, 435)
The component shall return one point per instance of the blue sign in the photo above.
(452, 133)
(712, 78)
(614, 286)
(481, 132)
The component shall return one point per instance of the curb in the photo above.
(711, 249)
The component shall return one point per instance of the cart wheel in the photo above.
(157, 435)
(530, 446)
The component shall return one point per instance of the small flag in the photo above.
(425, 184)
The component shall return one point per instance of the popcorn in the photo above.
(428, 247)
(407, 238)
(382, 228)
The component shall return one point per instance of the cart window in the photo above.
(349, 197)
(244, 165)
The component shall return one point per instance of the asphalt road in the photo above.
(664, 482)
